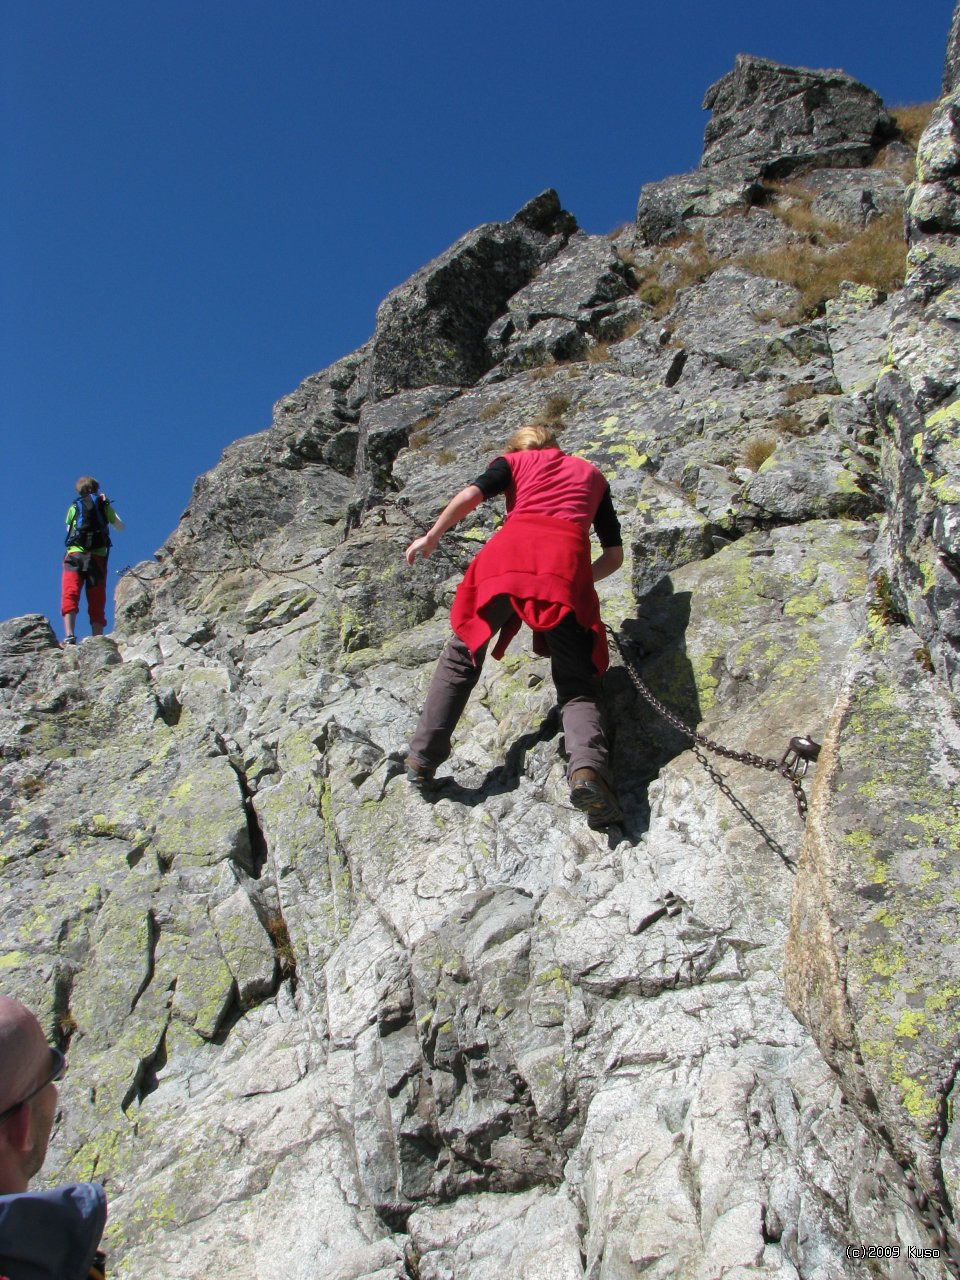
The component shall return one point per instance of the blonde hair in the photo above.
(86, 484)
(535, 435)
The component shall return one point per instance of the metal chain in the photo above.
(751, 819)
(792, 766)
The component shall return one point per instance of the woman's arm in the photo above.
(460, 505)
(609, 561)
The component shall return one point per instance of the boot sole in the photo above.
(599, 806)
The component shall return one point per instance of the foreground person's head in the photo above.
(29, 1069)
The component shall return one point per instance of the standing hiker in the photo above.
(89, 519)
(535, 569)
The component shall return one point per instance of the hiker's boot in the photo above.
(420, 775)
(591, 795)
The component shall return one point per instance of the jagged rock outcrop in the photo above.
(769, 122)
(321, 1024)
(918, 398)
(431, 330)
(781, 120)
(869, 963)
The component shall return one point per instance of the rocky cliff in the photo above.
(322, 1025)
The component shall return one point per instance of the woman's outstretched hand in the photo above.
(460, 505)
(422, 546)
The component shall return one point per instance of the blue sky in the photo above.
(203, 202)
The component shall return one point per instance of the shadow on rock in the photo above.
(643, 742)
(504, 777)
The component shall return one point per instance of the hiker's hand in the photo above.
(422, 546)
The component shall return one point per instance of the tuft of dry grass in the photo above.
(493, 410)
(882, 608)
(599, 353)
(789, 424)
(922, 656)
(633, 327)
(792, 203)
(556, 407)
(419, 432)
(758, 449)
(687, 261)
(276, 927)
(798, 391)
(875, 256)
(912, 119)
(66, 1026)
(654, 295)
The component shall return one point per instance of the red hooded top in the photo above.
(540, 557)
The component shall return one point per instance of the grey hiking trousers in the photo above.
(577, 685)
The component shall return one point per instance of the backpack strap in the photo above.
(98, 510)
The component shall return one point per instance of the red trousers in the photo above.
(72, 583)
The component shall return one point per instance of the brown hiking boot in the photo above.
(421, 775)
(591, 795)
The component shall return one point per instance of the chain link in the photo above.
(795, 760)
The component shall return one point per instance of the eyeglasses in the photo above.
(58, 1065)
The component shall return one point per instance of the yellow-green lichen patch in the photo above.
(707, 681)
(919, 1098)
(861, 844)
(911, 1020)
(297, 749)
(945, 489)
(109, 1152)
(948, 416)
(630, 455)
(886, 962)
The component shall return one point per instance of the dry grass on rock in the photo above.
(875, 256)
(912, 120)
(684, 263)
(822, 256)
(758, 448)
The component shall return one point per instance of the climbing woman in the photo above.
(535, 569)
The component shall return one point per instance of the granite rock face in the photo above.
(321, 1024)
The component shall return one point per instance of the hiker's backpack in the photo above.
(89, 528)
